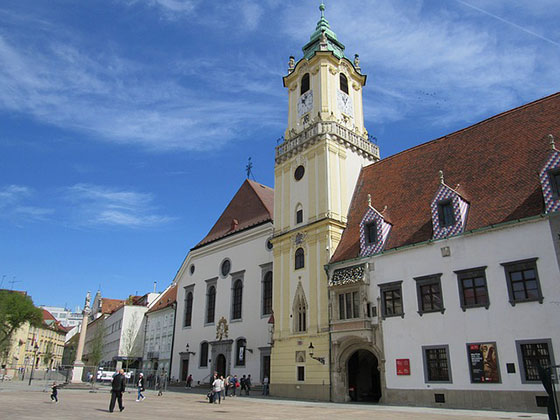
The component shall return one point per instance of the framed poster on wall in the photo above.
(483, 362)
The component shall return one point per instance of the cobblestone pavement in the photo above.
(19, 402)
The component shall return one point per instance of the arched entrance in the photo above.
(364, 379)
(221, 365)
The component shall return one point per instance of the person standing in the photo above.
(265, 386)
(248, 385)
(234, 384)
(217, 390)
(54, 393)
(224, 387)
(242, 382)
(189, 381)
(117, 388)
(141, 387)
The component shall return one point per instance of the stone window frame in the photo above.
(355, 305)
(472, 273)
(427, 281)
(299, 258)
(235, 277)
(390, 287)
(522, 265)
(265, 269)
(305, 83)
(209, 284)
(343, 83)
(237, 361)
(299, 310)
(521, 360)
(200, 359)
(225, 266)
(425, 364)
(188, 289)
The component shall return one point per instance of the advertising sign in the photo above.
(483, 363)
(403, 366)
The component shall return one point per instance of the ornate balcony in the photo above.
(329, 128)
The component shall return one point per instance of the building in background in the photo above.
(45, 344)
(224, 293)
(159, 327)
(65, 316)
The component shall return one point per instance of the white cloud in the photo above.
(14, 205)
(96, 205)
(121, 101)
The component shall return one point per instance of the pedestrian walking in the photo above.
(234, 385)
(54, 393)
(141, 387)
(117, 388)
(242, 384)
(265, 386)
(248, 385)
(217, 390)
(224, 387)
(189, 381)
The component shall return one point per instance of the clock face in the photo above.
(305, 103)
(344, 103)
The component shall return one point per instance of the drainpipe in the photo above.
(174, 306)
(326, 267)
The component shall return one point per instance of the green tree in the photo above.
(96, 351)
(16, 309)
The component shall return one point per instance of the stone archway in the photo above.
(364, 378)
(344, 349)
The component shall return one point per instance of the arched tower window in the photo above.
(210, 304)
(204, 354)
(304, 84)
(299, 214)
(343, 83)
(188, 309)
(267, 293)
(299, 258)
(300, 310)
(237, 299)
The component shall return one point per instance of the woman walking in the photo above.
(141, 388)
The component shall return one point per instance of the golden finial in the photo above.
(441, 177)
(369, 200)
(551, 139)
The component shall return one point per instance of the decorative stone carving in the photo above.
(291, 64)
(222, 329)
(299, 238)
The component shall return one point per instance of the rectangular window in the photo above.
(391, 299)
(349, 305)
(371, 233)
(523, 281)
(473, 290)
(446, 214)
(554, 177)
(299, 216)
(436, 364)
(531, 354)
(301, 373)
(430, 298)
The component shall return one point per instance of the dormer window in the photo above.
(343, 83)
(449, 211)
(446, 213)
(304, 84)
(554, 176)
(371, 233)
(374, 231)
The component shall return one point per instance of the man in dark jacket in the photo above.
(117, 389)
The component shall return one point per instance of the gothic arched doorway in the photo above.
(364, 379)
(221, 365)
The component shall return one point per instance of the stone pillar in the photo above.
(78, 369)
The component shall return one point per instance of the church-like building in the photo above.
(429, 278)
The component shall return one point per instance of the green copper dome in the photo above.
(330, 41)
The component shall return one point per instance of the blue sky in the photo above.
(126, 125)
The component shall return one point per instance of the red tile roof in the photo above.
(252, 205)
(496, 163)
(165, 300)
(47, 316)
(109, 305)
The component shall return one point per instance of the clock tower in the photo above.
(316, 167)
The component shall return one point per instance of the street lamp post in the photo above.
(35, 352)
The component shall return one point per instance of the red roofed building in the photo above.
(444, 285)
(223, 297)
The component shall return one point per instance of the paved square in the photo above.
(19, 402)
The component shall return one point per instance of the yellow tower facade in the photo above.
(316, 168)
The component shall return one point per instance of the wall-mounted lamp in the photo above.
(188, 351)
(250, 351)
(319, 359)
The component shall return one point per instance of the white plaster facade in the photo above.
(158, 340)
(250, 260)
(403, 337)
(124, 334)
